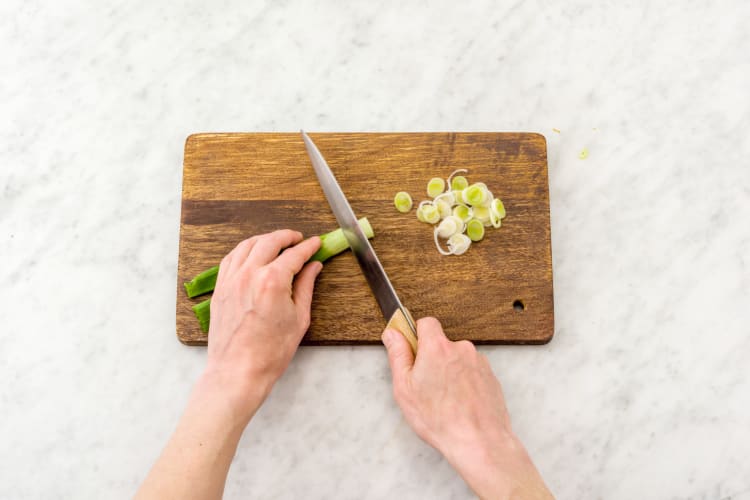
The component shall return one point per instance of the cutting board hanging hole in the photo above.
(518, 305)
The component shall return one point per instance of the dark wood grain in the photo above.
(237, 185)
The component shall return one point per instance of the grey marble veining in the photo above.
(644, 391)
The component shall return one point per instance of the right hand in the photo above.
(452, 400)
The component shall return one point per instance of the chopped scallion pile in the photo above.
(460, 211)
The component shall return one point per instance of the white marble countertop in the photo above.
(643, 392)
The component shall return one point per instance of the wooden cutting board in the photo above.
(499, 291)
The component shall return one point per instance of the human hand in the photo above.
(260, 310)
(454, 402)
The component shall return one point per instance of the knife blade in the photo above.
(397, 316)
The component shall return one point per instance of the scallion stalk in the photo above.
(331, 244)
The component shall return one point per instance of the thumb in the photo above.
(400, 356)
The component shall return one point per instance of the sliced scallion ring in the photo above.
(463, 212)
(498, 208)
(450, 226)
(482, 214)
(458, 243)
(459, 182)
(475, 195)
(402, 202)
(435, 187)
(444, 209)
(475, 230)
(437, 243)
(430, 214)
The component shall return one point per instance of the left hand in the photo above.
(260, 311)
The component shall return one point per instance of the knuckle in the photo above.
(429, 323)
(465, 346)
(267, 278)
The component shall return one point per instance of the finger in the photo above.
(304, 283)
(293, 258)
(241, 252)
(268, 246)
(224, 266)
(429, 332)
(400, 356)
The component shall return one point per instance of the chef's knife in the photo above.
(394, 312)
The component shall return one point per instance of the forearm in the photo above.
(499, 468)
(196, 460)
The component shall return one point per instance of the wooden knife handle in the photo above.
(399, 322)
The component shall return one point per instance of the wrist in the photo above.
(240, 396)
(497, 467)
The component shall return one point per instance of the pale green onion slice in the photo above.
(430, 214)
(402, 201)
(458, 243)
(448, 197)
(450, 226)
(475, 230)
(459, 182)
(498, 208)
(463, 212)
(482, 214)
(437, 243)
(435, 187)
(475, 195)
(444, 209)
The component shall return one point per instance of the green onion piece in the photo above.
(203, 283)
(402, 201)
(459, 183)
(202, 311)
(498, 208)
(462, 212)
(444, 208)
(335, 242)
(431, 214)
(475, 195)
(458, 196)
(331, 244)
(450, 226)
(435, 187)
(482, 214)
(475, 230)
(420, 214)
(458, 243)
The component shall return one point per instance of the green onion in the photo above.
(482, 214)
(459, 212)
(475, 230)
(335, 242)
(331, 244)
(430, 213)
(443, 207)
(458, 183)
(202, 311)
(450, 226)
(402, 201)
(435, 187)
(203, 283)
(462, 212)
(475, 195)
